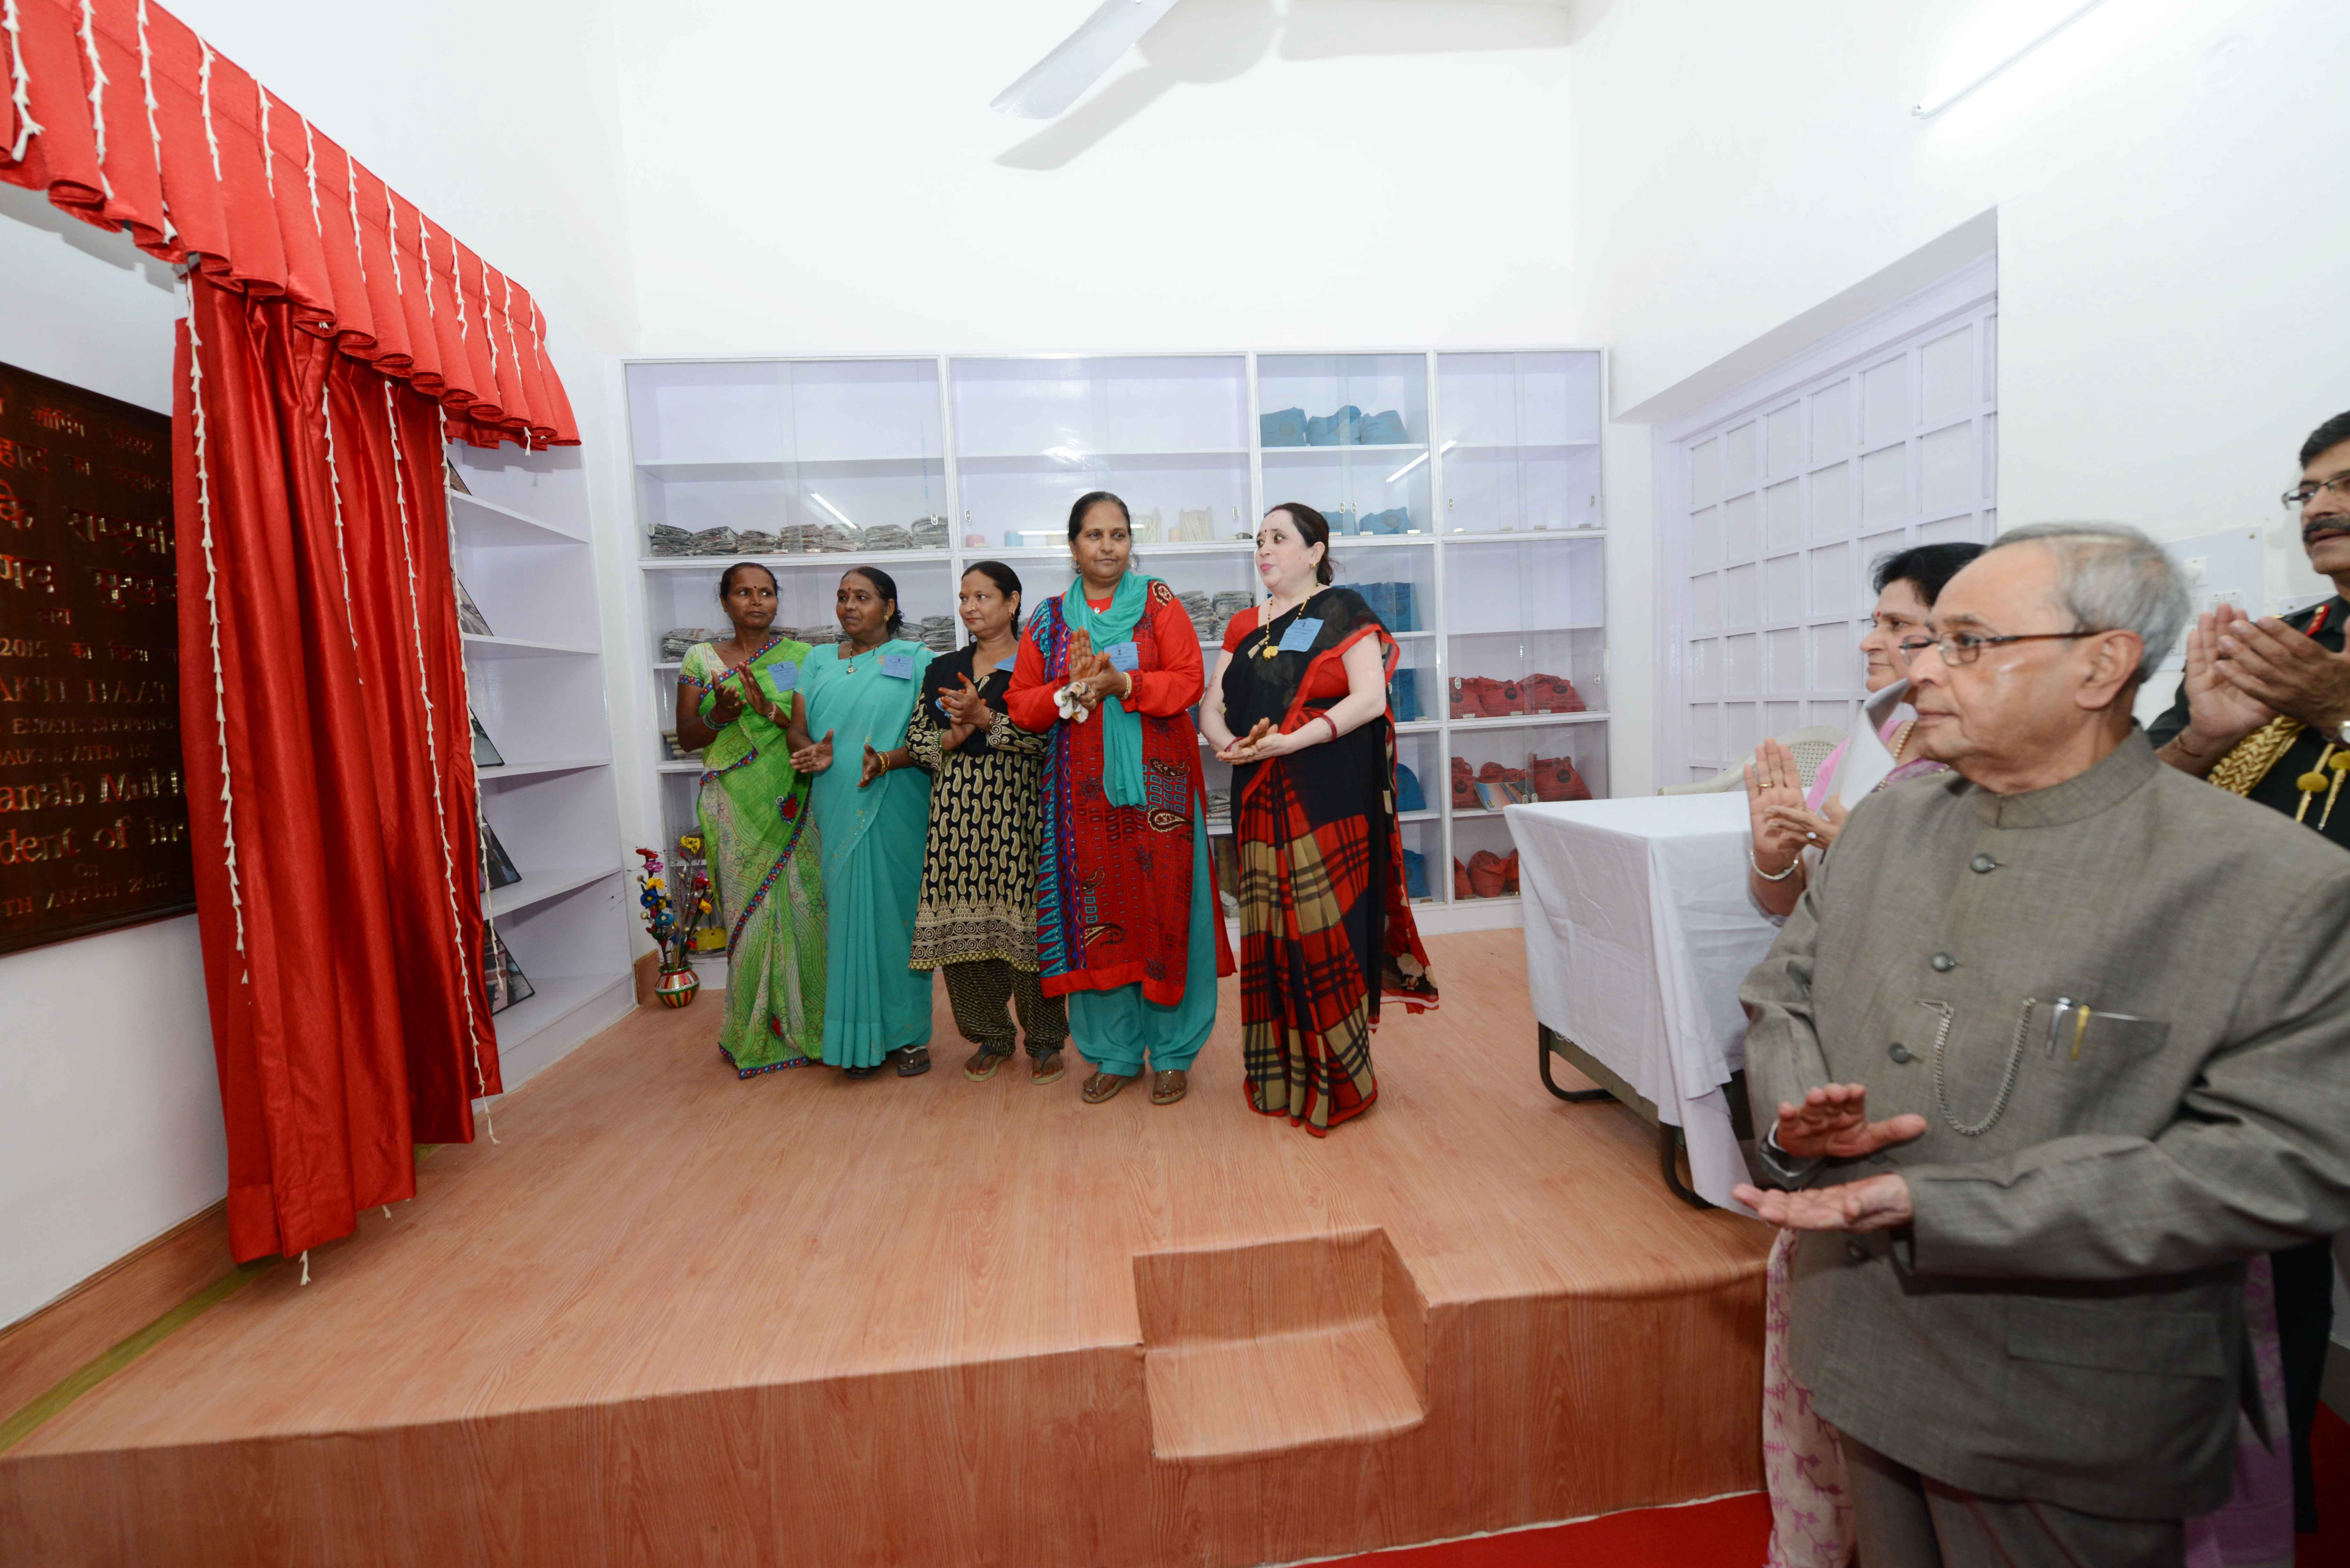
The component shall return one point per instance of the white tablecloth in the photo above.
(1640, 930)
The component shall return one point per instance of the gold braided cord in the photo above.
(2250, 759)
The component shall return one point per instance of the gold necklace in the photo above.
(1265, 650)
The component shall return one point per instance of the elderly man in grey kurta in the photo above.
(2104, 1012)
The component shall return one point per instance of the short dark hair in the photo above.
(1927, 567)
(1006, 581)
(726, 578)
(2325, 439)
(1087, 503)
(1314, 529)
(887, 586)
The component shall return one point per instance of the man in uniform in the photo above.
(2104, 1011)
(2264, 712)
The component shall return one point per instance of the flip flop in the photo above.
(1048, 1068)
(983, 1065)
(1104, 1086)
(1169, 1086)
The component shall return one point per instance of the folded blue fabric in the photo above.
(1384, 429)
(1403, 696)
(1336, 429)
(1394, 603)
(1415, 874)
(1394, 520)
(1286, 426)
(1408, 794)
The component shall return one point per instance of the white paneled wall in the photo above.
(1780, 501)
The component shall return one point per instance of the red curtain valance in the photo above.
(128, 120)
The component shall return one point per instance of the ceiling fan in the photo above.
(1061, 77)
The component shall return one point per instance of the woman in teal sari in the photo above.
(873, 820)
(738, 703)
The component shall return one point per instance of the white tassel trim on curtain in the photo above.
(212, 608)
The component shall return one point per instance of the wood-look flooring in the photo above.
(675, 1317)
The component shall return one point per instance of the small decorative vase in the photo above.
(678, 983)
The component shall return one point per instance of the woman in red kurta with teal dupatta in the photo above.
(1128, 927)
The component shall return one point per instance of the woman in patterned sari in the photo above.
(1127, 922)
(1326, 924)
(738, 703)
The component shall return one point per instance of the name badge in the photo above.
(787, 677)
(1299, 637)
(900, 666)
(1123, 656)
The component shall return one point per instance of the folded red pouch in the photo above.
(1461, 881)
(1552, 694)
(1554, 778)
(1494, 773)
(1464, 784)
(1505, 697)
(1510, 873)
(1487, 874)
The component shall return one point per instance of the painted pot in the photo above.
(677, 984)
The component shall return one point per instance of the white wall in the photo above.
(500, 123)
(816, 177)
(2170, 228)
(109, 1112)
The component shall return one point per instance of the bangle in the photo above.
(1325, 718)
(1772, 875)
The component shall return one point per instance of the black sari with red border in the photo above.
(1325, 922)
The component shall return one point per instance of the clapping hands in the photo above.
(1262, 742)
(816, 757)
(965, 708)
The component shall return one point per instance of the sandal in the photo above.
(860, 1072)
(1169, 1086)
(984, 1064)
(1048, 1068)
(1104, 1086)
(913, 1060)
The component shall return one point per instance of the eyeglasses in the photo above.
(2301, 495)
(1965, 647)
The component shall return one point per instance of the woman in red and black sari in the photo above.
(1325, 925)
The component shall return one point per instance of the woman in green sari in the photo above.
(738, 703)
(873, 820)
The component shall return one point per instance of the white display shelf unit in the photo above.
(523, 551)
(1478, 481)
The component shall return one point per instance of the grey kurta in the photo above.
(2063, 1321)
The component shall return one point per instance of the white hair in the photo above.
(2111, 577)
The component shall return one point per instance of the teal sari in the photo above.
(872, 842)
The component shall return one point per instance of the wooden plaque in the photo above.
(93, 806)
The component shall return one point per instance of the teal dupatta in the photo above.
(1121, 726)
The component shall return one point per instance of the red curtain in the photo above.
(329, 767)
(130, 120)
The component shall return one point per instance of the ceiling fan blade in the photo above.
(1061, 77)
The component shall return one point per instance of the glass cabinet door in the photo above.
(1520, 443)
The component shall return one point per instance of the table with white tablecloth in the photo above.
(1640, 930)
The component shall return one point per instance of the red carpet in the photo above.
(1732, 1531)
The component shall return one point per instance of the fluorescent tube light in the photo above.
(1415, 462)
(835, 511)
(1936, 105)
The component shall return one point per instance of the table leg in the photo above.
(1575, 1096)
(1668, 1139)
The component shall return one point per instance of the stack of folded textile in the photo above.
(889, 537)
(1219, 809)
(1394, 520)
(751, 542)
(711, 542)
(817, 636)
(1395, 603)
(936, 633)
(928, 532)
(677, 640)
(796, 538)
(1225, 606)
(1201, 607)
(1347, 426)
(832, 539)
(1403, 695)
(665, 539)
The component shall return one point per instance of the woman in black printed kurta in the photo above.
(977, 920)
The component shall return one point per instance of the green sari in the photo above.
(873, 840)
(759, 837)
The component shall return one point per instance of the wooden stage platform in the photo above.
(676, 1318)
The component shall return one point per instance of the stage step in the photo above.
(1258, 1350)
